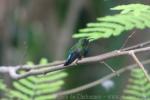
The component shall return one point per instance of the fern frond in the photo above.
(131, 16)
(138, 87)
(3, 90)
(40, 87)
(2, 85)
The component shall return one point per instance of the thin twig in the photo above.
(55, 63)
(84, 60)
(24, 53)
(140, 64)
(56, 66)
(140, 45)
(109, 67)
(126, 41)
(98, 81)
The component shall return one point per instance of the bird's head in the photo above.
(84, 42)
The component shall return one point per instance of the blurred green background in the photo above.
(32, 29)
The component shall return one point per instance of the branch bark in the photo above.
(139, 63)
(49, 68)
(98, 81)
(85, 60)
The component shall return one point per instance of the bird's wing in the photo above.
(85, 52)
(72, 57)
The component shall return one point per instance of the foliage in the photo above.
(2, 85)
(138, 87)
(131, 16)
(3, 89)
(40, 87)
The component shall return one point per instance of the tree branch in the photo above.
(140, 64)
(42, 70)
(136, 46)
(85, 60)
(55, 63)
(98, 81)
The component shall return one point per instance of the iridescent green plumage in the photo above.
(78, 51)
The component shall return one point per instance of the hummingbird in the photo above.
(78, 51)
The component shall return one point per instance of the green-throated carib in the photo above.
(79, 50)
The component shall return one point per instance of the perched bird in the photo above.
(79, 50)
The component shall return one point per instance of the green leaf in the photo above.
(131, 16)
(138, 87)
(39, 87)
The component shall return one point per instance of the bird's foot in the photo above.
(76, 61)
